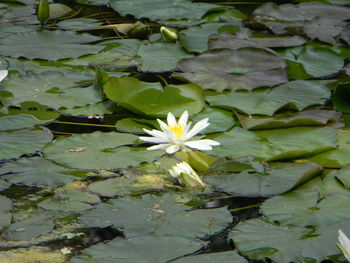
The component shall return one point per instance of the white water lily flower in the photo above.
(175, 136)
(3, 74)
(344, 245)
(186, 175)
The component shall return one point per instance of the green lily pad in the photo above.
(144, 249)
(278, 179)
(48, 45)
(158, 216)
(344, 176)
(160, 57)
(303, 208)
(226, 69)
(228, 256)
(77, 24)
(195, 39)
(36, 171)
(339, 157)
(5, 215)
(296, 95)
(71, 198)
(219, 119)
(226, 40)
(51, 88)
(311, 117)
(98, 150)
(152, 99)
(160, 10)
(30, 228)
(276, 144)
(309, 62)
(16, 122)
(341, 97)
(119, 186)
(16, 143)
(257, 239)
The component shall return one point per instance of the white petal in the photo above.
(171, 119)
(158, 146)
(187, 128)
(157, 134)
(344, 244)
(3, 74)
(163, 125)
(183, 119)
(172, 148)
(152, 139)
(210, 142)
(198, 127)
(199, 145)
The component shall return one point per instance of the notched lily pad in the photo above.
(30, 228)
(226, 69)
(152, 99)
(305, 208)
(16, 122)
(145, 249)
(98, 150)
(311, 117)
(226, 40)
(36, 171)
(274, 180)
(257, 239)
(296, 95)
(48, 45)
(54, 89)
(16, 143)
(72, 198)
(158, 216)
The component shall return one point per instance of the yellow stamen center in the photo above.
(178, 130)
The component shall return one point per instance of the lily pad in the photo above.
(226, 69)
(160, 10)
(158, 216)
(16, 143)
(16, 122)
(48, 45)
(341, 97)
(195, 39)
(226, 40)
(98, 150)
(276, 144)
(257, 239)
(54, 89)
(5, 215)
(36, 171)
(309, 62)
(309, 117)
(276, 180)
(303, 208)
(71, 198)
(339, 157)
(30, 228)
(144, 249)
(344, 176)
(119, 186)
(228, 256)
(296, 95)
(152, 99)
(160, 57)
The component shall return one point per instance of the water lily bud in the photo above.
(184, 173)
(43, 11)
(169, 34)
(139, 30)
